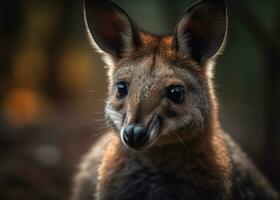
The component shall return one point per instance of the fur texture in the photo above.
(187, 155)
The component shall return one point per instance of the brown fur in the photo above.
(190, 157)
(209, 158)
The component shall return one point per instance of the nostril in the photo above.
(139, 133)
(128, 134)
(135, 135)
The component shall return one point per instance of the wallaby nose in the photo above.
(135, 135)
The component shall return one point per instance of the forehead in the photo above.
(152, 68)
(156, 61)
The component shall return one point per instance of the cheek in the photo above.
(171, 110)
(117, 104)
(176, 116)
(114, 113)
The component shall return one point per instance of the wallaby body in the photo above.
(141, 180)
(166, 142)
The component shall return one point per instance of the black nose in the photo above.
(135, 135)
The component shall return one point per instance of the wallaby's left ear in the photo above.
(202, 30)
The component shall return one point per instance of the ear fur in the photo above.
(202, 30)
(110, 29)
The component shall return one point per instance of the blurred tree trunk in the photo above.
(9, 30)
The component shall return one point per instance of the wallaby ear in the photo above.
(202, 29)
(110, 28)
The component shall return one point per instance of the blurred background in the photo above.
(53, 87)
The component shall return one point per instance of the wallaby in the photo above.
(166, 141)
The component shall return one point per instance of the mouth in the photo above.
(140, 138)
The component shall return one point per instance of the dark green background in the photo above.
(53, 85)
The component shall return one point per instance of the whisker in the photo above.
(100, 132)
(87, 90)
(99, 120)
(98, 113)
(90, 118)
(92, 122)
(110, 140)
(103, 128)
(181, 141)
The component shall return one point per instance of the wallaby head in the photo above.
(159, 86)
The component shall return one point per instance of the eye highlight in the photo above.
(175, 93)
(122, 89)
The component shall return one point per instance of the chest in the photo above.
(150, 184)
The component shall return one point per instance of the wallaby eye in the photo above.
(122, 89)
(175, 93)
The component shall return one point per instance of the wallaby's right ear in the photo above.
(110, 28)
(202, 30)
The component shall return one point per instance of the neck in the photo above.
(204, 162)
(208, 152)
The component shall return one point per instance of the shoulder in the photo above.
(247, 181)
(85, 180)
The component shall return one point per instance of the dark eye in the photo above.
(122, 89)
(175, 93)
